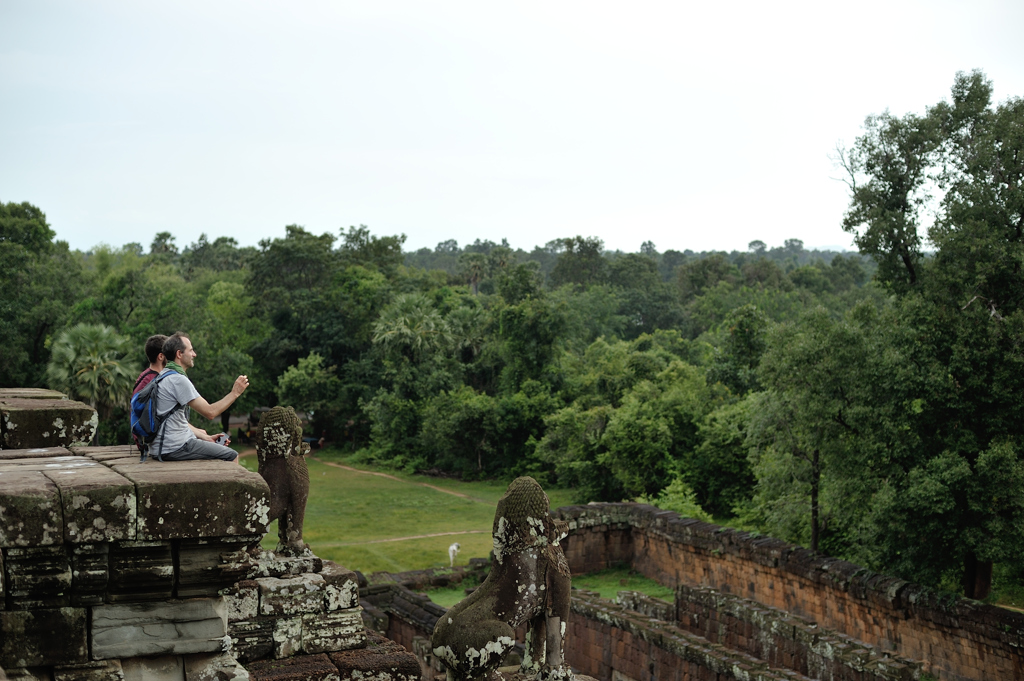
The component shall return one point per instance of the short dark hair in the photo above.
(154, 346)
(174, 344)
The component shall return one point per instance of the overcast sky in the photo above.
(692, 125)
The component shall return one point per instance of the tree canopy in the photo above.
(865, 404)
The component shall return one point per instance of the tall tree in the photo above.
(581, 262)
(963, 315)
(889, 169)
(360, 247)
(41, 281)
(473, 268)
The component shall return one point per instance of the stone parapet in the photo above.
(31, 394)
(85, 495)
(655, 608)
(952, 638)
(202, 499)
(785, 640)
(611, 641)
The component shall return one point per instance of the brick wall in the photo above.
(410, 615)
(605, 640)
(609, 641)
(955, 639)
(781, 639)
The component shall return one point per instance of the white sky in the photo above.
(693, 125)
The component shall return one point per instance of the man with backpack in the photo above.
(176, 439)
(157, 363)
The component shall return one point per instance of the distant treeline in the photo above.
(450, 258)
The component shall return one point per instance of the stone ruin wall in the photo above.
(745, 608)
(116, 570)
(766, 595)
(638, 638)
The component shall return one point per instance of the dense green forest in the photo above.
(867, 404)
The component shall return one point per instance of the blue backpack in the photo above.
(146, 421)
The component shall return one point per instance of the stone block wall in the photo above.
(605, 640)
(783, 640)
(35, 417)
(294, 606)
(409, 618)
(655, 608)
(953, 639)
(609, 641)
(94, 573)
(410, 615)
(113, 569)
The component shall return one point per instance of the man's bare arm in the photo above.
(212, 411)
(200, 433)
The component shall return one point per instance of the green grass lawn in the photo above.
(448, 596)
(608, 583)
(370, 522)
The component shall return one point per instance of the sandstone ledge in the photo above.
(27, 422)
(83, 496)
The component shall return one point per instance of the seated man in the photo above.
(157, 363)
(177, 439)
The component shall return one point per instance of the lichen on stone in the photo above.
(281, 453)
(529, 583)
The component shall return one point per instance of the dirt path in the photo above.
(415, 536)
(396, 479)
(252, 452)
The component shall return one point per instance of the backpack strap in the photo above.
(163, 419)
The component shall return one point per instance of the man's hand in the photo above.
(200, 433)
(241, 383)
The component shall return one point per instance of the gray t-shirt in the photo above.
(174, 390)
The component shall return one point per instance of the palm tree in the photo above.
(412, 327)
(467, 326)
(473, 267)
(86, 362)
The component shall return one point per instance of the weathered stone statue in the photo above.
(529, 582)
(280, 450)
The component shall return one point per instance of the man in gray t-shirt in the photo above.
(178, 440)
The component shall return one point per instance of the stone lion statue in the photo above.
(280, 450)
(529, 582)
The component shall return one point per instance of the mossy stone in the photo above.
(196, 499)
(28, 423)
(31, 513)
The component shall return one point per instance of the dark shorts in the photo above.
(195, 450)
